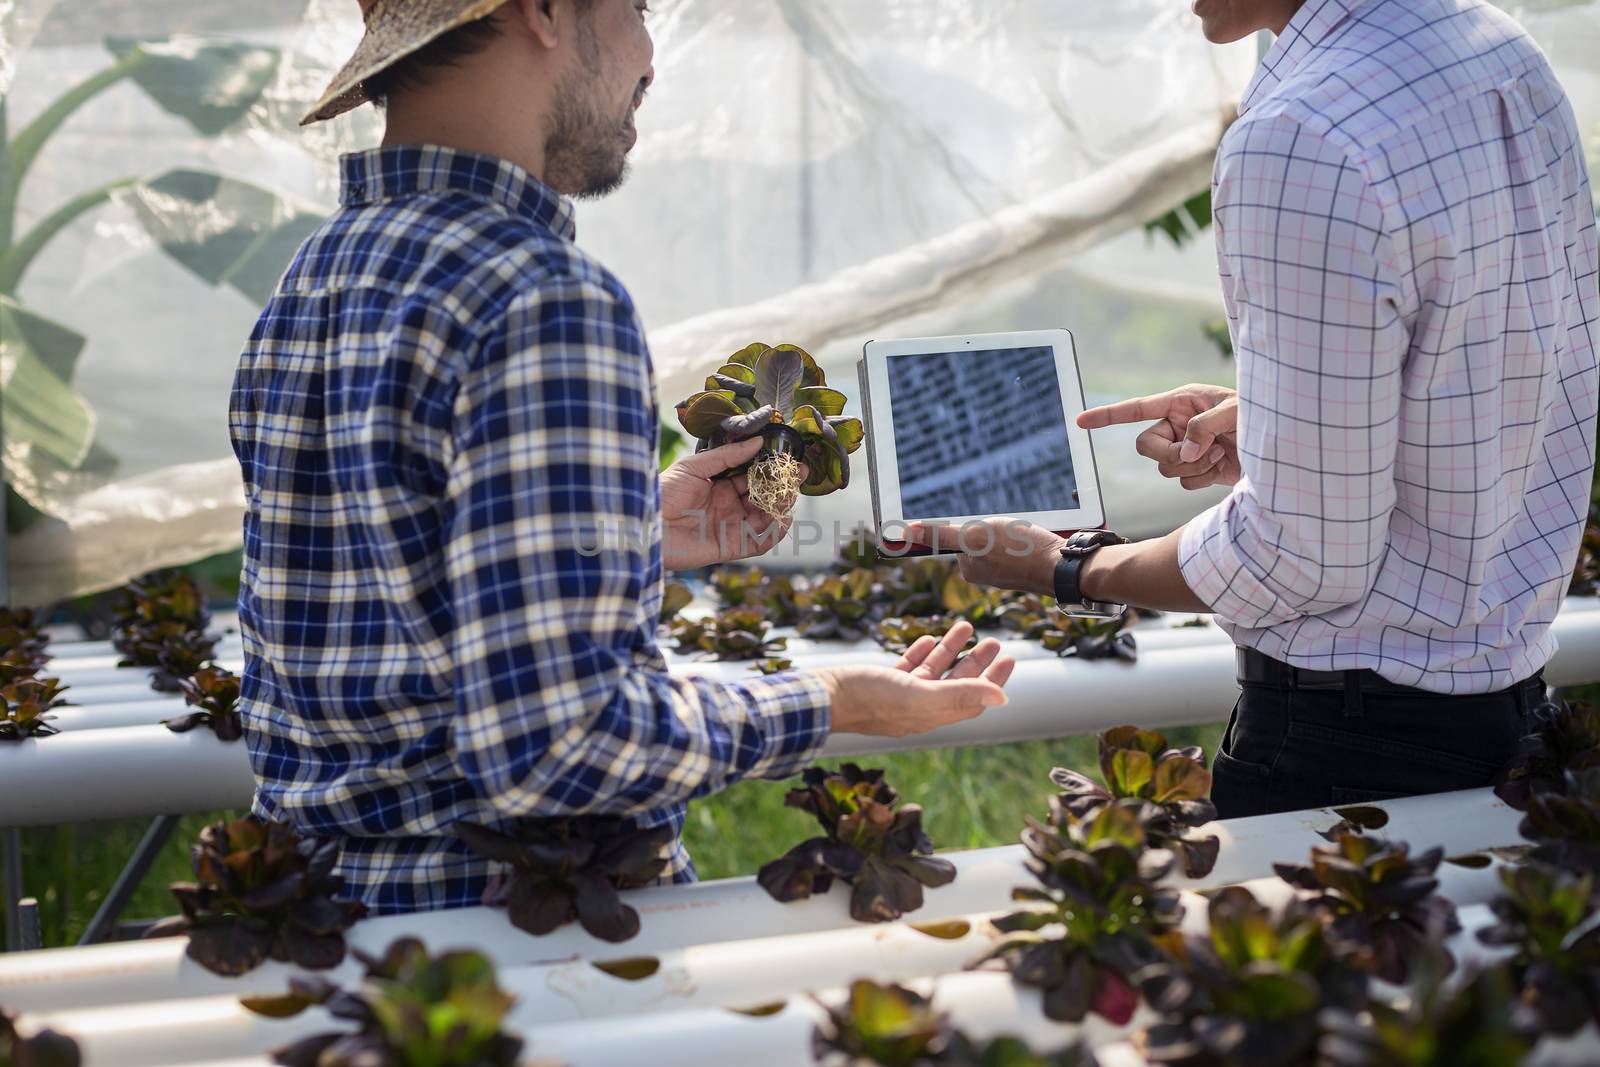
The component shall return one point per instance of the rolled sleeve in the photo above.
(1315, 308)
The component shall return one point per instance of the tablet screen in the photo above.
(981, 433)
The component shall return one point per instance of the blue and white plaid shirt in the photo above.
(448, 428)
(1407, 242)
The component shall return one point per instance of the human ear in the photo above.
(542, 18)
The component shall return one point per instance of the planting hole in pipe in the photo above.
(763, 1011)
(632, 970)
(1475, 861)
(954, 930)
(1367, 818)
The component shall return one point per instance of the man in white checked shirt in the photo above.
(1406, 234)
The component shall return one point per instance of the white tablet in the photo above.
(970, 428)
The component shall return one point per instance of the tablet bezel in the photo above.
(1089, 515)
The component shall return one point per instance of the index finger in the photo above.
(1140, 409)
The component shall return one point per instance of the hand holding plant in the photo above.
(708, 515)
(780, 396)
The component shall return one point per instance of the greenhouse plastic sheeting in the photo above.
(810, 171)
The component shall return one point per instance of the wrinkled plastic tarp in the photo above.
(810, 171)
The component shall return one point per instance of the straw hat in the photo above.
(395, 29)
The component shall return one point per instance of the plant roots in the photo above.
(775, 484)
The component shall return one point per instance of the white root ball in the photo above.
(775, 485)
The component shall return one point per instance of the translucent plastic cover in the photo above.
(815, 172)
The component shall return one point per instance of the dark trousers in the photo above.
(1291, 746)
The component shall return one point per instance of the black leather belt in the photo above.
(1258, 669)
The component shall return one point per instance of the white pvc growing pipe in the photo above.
(677, 917)
(106, 774)
(985, 1005)
(734, 974)
(154, 770)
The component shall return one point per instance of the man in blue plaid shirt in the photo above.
(456, 531)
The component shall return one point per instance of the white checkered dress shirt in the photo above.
(1407, 240)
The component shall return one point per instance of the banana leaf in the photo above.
(41, 412)
(210, 84)
(223, 230)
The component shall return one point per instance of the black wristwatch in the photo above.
(1079, 547)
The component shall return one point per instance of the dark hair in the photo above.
(412, 71)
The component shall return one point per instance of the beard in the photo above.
(586, 155)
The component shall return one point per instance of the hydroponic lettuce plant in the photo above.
(1379, 902)
(1550, 920)
(261, 892)
(413, 1010)
(1586, 575)
(751, 587)
(898, 635)
(1091, 925)
(1037, 618)
(782, 396)
(22, 645)
(729, 636)
(569, 870)
(1247, 993)
(837, 608)
(1564, 826)
(1472, 1024)
(860, 552)
(43, 1048)
(1167, 789)
(1564, 737)
(891, 1026)
(871, 841)
(215, 692)
(161, 625)
(933, 586)
(25, 707)
(675, 596)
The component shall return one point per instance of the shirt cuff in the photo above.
(1218, 570)
(796, 715)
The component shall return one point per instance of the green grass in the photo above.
(972, 798)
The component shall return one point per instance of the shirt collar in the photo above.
(381, 174)
(1309, 28)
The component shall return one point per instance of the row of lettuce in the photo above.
(1096, 932)
(161, 626)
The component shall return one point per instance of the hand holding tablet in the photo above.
(962, 429)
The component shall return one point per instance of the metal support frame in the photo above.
(11, 885)
(104, 923)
